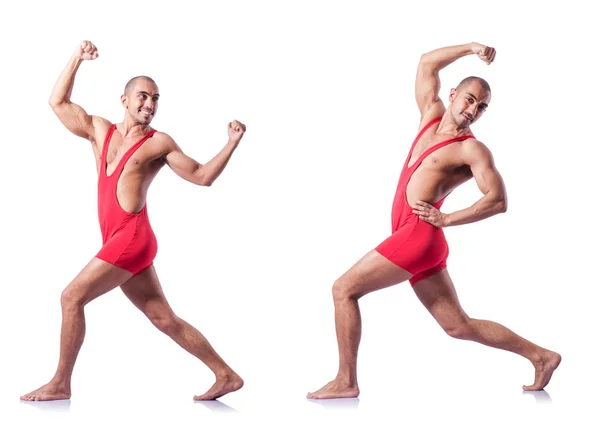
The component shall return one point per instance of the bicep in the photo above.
(486, 175)
(76, 119)
(427, 87)
(181, 164)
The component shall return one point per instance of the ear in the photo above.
(452, 95)
(124, 100)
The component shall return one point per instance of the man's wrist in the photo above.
(232, 144)
(76, 59)
(446, 220)
(475, 47)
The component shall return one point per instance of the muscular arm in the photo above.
(70, 114)
(489, 181)
(204, 174)
(427, 85)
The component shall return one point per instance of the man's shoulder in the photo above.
(474, 149)
(164, 141)
(101, 121)
(474, 145)
(101, 127)
(162, 136)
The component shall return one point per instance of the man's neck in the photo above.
(449, 127)
(132, 128)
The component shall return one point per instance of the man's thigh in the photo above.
(95, 279)
(145, 292)
(372, 272)
(438, 295)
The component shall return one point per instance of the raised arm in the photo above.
(205, 174)
(70, 114)
(427, 84)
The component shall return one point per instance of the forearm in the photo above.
(487, 206)
(210, 171)
(61, 93)
(440, 58)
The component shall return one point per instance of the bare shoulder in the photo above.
(164, 142)
(101, 126)
(474, 151)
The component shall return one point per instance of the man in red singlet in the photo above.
(444, 155)
(128, 157)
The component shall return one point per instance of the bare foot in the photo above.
(335, 389)
(48, 392)
(543, 371)
(221, 387)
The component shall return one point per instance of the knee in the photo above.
(342, 290)
(167, 323)
(72, 299)
(460, 331)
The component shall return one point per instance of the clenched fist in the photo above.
(235, 130)
(86, 51)
(486, 53)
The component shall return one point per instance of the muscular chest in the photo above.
(115, 155)
(123, 153)
(446, 158)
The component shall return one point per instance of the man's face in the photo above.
(141, 101)
(468, 103)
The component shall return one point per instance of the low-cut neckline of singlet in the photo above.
(109, 135)
(432, 148)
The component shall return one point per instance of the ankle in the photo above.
(225, 374)
(62, 382)
(536, 358)
(346, 380)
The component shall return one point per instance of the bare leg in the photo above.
(438, 295)
(373, 272)
(96, 278)
(145, 292)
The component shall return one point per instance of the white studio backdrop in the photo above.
(326, 90)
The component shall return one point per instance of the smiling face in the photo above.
(141, 99)
(469, 101)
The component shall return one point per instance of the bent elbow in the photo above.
(502, 206)
(200, 177)
(54, 103)
(425, 59)
(204, 181)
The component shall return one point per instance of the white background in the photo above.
(326, 90)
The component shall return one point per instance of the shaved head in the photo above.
(467, 81)
(131, 83)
